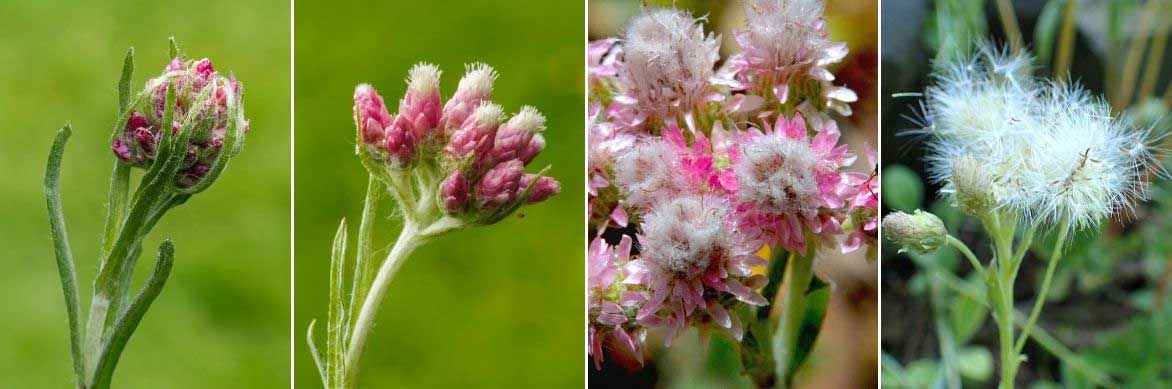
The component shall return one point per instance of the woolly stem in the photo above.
(409, 239)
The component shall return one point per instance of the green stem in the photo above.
(960, 246)
(1065, 41)
(364, 272)
(785, 339)
(409, 239)
(1063, 231)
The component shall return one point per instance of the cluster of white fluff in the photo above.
(1051, 152)
(689, 235)
(791, 30)
(647, 174)
(778, 174)
(668, 61)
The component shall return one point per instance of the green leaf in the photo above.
(817, 301)
(966, 314)
(338, 316)
(756, 348)
(778, 258)
(1046, 30)
(975, 363)
(174, 51)
(321, 367)
(119, 334)
(902, 188)
(124, 81)
(65, 267)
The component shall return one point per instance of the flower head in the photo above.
(919, 232)
(474, 89)
(1002, 141)
(207, 112)
(667, 62)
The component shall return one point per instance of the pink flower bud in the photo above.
(400, 143)
(420, 107)
(545, 187)
(499, 185)
(371, 114)
(514, 136)
(476, 135)
(122, 151)
(454, 193)
(475, 88)
(532, 149)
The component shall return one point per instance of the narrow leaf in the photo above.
(337, 320)
(817, 301)
(174, 48)
(321, 368)
(778, 258)
(124, 81)
(65, 266)
(119, 335)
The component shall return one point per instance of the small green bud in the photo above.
(919, 232)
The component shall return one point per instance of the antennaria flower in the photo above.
(182, 129)
(447, 166)
(704, 166)
(668, 60)
(1047, 152)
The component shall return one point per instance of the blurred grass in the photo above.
(501, 305)
(222, 320)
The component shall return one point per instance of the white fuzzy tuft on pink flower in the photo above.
(789, 183)
(692, 255)
(668, 60)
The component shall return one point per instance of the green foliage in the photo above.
(954, 26)
(902, 188)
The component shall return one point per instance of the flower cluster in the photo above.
(470, 158)
(207, 105)
(1003, 141)
(703, 166)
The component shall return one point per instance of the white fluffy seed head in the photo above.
(668, 60)
(688, 235)
(1053, 154)
(776, 174)
(423, 78)
(477, 82)
(789, 29)
(647, 175)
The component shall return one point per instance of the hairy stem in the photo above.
(409, 239)
(960, 246)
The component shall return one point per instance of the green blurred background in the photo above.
(222, 320)
(499, 306)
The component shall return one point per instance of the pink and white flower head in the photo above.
(475, 171)
(205, 102)
(668, 61)
(692, 256)
(419, 110)
(789, 183)
(513, 138)
(863, 214)
(475, 88)
(784, 41)
(475, 136)
(648, 174)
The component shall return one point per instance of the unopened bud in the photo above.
(400, 143)
(498, 187)
(531, 150)
(542, 189)
(371, 114)
(454, 193)
(919, 232)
